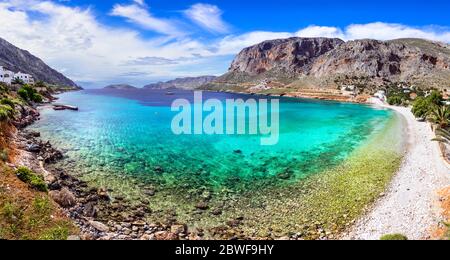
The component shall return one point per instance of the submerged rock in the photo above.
(202, 205)
(103, 194)
(178, 229)
(216, 212)
(64, 198)
(90, 210)
(99, 226)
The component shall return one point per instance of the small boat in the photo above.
(170, 93)
(59, 107)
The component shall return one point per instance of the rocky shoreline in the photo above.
(97, 215)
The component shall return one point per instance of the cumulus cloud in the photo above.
(378, 31)
(139, 2)
(207, 16)
(388, 31)
(321, 31)
(151, 61)
(71, 39)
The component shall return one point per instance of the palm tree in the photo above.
(441, 116)
(442, 136)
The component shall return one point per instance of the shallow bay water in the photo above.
(122, 140)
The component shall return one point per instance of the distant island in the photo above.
(120, 87)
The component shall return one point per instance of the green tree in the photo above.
(421, 107)
(28, 93)
(6, 112)
(442, 136)
(395, 100)
(435, 98)
(18, 81)
(440, 116)
(40, 84)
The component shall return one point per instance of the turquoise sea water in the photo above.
(122, 140)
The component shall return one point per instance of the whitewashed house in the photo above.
(6, 76)
(381, 95)
(26, 78)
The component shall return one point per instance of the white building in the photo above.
(381, 95)
(26, 78)
(6, 76)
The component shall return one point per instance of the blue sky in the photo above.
(142, 41)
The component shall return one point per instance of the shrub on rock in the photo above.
(32, 179)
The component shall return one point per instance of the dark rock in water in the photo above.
(139, 213)
(119, 198)
(285, 175)
(202, 205)
(64, 198)
(33, 148)
(103, 194)
(216, 212)
(178, 229)
(30, 133)
(158, 169)
(238, 152)
(54, 186)
(90, 210)
(234, 223)
(150, 192)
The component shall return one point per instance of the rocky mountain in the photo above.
(16, 60)
(188, 83)
(413, 61)
(294, 55)
(120, 87)
(297, 63)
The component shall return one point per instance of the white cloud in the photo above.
(378, 31)
(321, 31)
(139, 2)
(207, 16)
(73, 41)
(138, 14)
(386, 31)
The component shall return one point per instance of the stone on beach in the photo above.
(64, 198)
(99, 226)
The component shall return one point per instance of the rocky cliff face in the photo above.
(407, 60)
(182, 83)
(330, 63)
(16, 60)
(294, 55)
